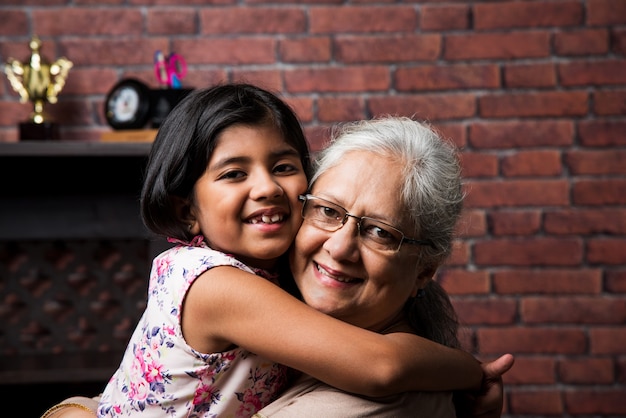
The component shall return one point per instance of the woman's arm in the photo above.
(226, 305)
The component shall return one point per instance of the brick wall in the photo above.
(533, 91)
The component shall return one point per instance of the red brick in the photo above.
(506, 222)
(538, 251)
(519, 134)
(464, 282)
(486, 311)
(248, 20)
(80, 80)
(303, 106)
(317, 136)
(536, 402)
(431, 107)
(584, 73)
(529, 75)
(473, 223)
(586, 371)
(72, 112)
(573, 310)
(172, 22)
(197, 79)
(554, 103)
(447, 78)
(621, 370)
(582, 42)
(111, 51)
(305, 49)
(536, 369)
(596, 162)
(609, 102)
(233, 51)
(604, 402)
(532, 163)
(607, 340)
(460, 254)
(267, 78)
(337, 109)
(511, 193)
(618, 41)
(586, 221)
(104, 21)
(14, 22)
(548, 281)
(337, 79)
(548, 340)
(453, 131)
(444, 17)
(600, 133)
(606, 12)
(509, 14)
(10, 112)
(362, 19)
(610, 251)
(616, 281)
(387, 48)
(478, 164)
(599, 192)
(512, 45)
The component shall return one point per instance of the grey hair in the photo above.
(432, 191)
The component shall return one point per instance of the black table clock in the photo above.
(131, 104)
(127, 105)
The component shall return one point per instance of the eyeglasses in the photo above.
(375, 234)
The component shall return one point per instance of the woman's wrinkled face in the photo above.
(334, 271)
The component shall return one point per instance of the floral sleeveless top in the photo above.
(161, 376)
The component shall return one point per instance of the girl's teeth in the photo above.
(270, 219)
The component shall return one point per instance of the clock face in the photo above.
(127, 105)
(124, 104)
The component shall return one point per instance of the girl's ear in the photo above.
(185, 212)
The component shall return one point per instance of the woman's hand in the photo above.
(487, 402)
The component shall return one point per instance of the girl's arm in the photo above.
(227, 306)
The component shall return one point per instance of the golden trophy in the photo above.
(38, 81)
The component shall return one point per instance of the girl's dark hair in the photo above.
(187, 138)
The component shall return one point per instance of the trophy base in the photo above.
(39, 131)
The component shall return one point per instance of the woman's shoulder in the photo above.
(309, 398)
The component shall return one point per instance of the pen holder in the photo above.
(162, 102)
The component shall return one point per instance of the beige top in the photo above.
(310, 398)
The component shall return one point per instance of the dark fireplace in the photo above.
(74, 264)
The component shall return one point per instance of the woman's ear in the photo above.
(185, 212)
(422, 280)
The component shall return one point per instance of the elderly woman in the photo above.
(378, 223)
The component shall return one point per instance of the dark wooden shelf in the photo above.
(73, 148)
(52, 368)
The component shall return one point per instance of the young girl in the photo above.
(218, 334)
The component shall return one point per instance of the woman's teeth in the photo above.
(338, 278)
